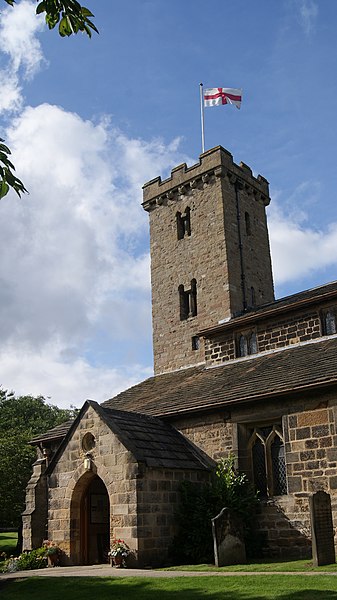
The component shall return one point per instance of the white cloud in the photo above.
(308, 12)
(298, 249)
(70, 383)
(18, 28)
(74, 256)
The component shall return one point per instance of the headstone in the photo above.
(229, 546)
(323, 549)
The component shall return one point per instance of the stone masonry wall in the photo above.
(311, 451)
(158, 499)
(211, 433)
(34, 518)
(117, 468)
(311, 461)
(210, 254)
(271, 335)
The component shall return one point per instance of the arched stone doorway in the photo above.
(90, 521)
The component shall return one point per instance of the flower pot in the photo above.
(53, 560)
(117, 561)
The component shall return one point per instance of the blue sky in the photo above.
(89, 121)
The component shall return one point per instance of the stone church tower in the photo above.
(210, 257)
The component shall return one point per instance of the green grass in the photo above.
(250, 587)
(8, 541)
(258, 566)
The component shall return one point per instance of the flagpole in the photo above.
(202, 117)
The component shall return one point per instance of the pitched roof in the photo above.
(305, 366)
(154, 442)
(264, 376)
(150, 440)
(288, 303)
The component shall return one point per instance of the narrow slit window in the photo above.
(252, 297)
(195, 342)
(188, 301)
(247, 223)
(183, 223)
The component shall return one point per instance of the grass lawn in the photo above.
(8, 541)
(253, 567)
(250, 587)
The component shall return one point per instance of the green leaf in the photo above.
(65, 28)
(4, 188)
(40, 8)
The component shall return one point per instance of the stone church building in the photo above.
(236, 371)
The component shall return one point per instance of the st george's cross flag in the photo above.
(218, 96)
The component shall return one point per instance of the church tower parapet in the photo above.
(210, 257)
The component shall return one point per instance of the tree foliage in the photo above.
(71, 18)
(69, 15)
(201, 503)
(21, 418)
(7, 177)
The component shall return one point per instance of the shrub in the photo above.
(28, 560)
(200, 503)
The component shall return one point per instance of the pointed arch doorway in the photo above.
(90, 522)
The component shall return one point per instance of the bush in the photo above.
(202, 502)
(28, 560)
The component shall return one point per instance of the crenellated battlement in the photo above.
(212, 164)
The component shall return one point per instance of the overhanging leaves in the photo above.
(7, 177)
(70, 16)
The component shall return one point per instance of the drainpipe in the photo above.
(238, 186)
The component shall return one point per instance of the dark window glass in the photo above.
(253, 344)
(330, 323)
(259, 467)
(278, 467)
(243, 346)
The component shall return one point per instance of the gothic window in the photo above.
(259, 466)
(183, 223)
(329, 322)
(247, 223)
(188, 301)
(247, 344)
(253, 343)
(278, 466)
(268, 460)
(243, 345)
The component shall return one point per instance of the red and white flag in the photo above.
(218, 96)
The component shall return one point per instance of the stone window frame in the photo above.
(329, 320)
(183, 221)
(267, 442)
(246, 343)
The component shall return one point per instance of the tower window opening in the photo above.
(188, 301)
(195, 342)
(252, 297)
(247, 223)
(183, 223)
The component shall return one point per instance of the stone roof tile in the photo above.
(290, 369)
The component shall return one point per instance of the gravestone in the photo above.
(323, 549)
(229, 546)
